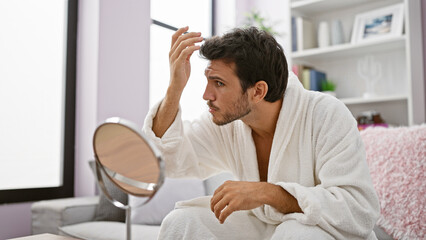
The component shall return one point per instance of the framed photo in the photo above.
(378, 24)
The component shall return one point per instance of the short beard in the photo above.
(241, 109)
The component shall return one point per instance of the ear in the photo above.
(260, 89)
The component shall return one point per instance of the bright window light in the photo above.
(197, 15)
(32, 78)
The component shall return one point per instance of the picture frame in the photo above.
(378, 24)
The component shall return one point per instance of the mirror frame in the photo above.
(99, 167)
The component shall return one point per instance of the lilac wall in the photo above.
(424, 44)
(86, 104)
(15, 220)
(112, 80)
(123, 59)
(113, 76)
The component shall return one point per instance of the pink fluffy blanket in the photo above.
(397, 161)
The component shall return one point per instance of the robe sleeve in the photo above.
(343, 200)
(189, 149)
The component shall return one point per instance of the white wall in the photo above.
(225, 18)
(417, 66)
(276, 12)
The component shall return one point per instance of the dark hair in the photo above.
(257, 56)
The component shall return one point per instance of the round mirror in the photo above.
(127, 158)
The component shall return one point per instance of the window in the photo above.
(199, 19)
(37, 99)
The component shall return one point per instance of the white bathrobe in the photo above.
(317, 156)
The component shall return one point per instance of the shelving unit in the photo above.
(349, 49)
(399, 58)
(317, 6)
(361, 100)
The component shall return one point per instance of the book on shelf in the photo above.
(293, 35)
(310, 78)
(316, 79)
(303, 34)
(298, 71)
(306, 76)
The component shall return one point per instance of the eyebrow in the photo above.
(216, 78)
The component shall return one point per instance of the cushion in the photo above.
(172, 191)
(105, 210)
(108, 231)
(396, 158)
(212, 183)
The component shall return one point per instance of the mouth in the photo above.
(212, 108)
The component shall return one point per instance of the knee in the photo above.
(292, 230)
(179, 216)
(184, 223)
(187, 217)
(174, 225)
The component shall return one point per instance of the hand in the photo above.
(183, 46)
(237, 195)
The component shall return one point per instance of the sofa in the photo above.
(95, 218)
(397, 161)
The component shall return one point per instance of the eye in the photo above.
(219, 84)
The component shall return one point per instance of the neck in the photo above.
(263, 118)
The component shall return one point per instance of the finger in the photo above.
(217, 196)
(178, 33)
(176, 54)
(177, 38)
(225, 213)
(185, 44)
(218, 208)
(188, 51)
(182, 38)
(189, 56)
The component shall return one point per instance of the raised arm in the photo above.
(182, 48)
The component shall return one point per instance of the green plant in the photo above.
(328, 85)
(254, 18)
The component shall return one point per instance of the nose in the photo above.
(208, 94)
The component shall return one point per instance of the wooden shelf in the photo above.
(316, 6)
(361, 100)
(348, 49)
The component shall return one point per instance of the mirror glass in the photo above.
(127, 158)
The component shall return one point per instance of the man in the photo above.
(297, 154)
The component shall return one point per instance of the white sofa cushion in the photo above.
(47, 215)
(172, 191)
(101, 230)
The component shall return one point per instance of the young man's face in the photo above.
(224, 94)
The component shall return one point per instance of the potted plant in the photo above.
(254, 18)
(328, 87)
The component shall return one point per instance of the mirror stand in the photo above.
(116, 203)
(126, 207)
